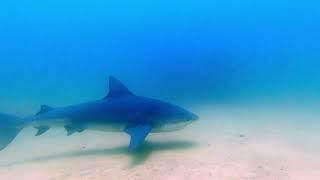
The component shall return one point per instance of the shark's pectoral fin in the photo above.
(71, 129)
(138, 135)
(42, 130)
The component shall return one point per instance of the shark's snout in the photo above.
(191, 117)
(194, 117)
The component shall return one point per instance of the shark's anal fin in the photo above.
(71, 129)
(138, 135)
(44, 109)
(42, 130)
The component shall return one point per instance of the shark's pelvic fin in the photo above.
(69, 130)
(42, 130)
(73, 129)
(117, 89)
(138, 135)
(44, 109)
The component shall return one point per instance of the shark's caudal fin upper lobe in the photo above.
(9, 129)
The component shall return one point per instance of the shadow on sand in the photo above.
(138, 157)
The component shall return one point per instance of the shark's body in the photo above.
(119, 111)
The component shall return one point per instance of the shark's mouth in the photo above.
(169, 127)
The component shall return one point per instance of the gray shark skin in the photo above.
(119, 111)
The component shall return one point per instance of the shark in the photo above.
(119, 111)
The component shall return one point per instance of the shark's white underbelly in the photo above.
(120, 127)
(60, 123)
(52, 123)
(170, 127)
(110, 127)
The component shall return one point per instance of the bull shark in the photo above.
(119, 111)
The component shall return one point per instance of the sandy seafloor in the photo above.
(226, 143)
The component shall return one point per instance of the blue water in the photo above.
(60, 51)
(191, 53)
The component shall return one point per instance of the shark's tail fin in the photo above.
(9, 129)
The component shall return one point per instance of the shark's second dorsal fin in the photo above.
(44, 109)
(117, 89)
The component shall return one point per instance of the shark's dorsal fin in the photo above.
(117, 89)
(44, 109)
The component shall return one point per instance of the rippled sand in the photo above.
(227, 143)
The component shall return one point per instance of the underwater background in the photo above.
(193, 53)
(63, 51)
